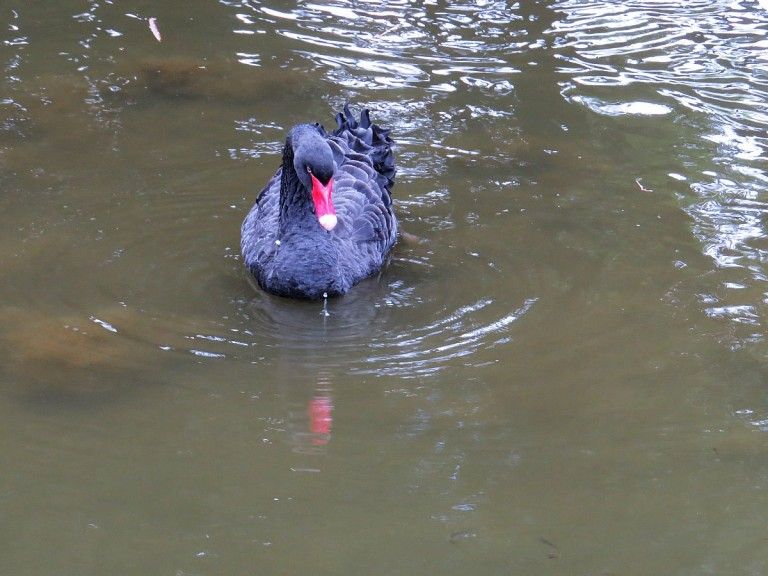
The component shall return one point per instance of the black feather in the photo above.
(283, 244)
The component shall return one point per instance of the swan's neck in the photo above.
(295, 203)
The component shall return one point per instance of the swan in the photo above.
(325, 220)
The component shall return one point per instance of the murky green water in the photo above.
(568, 376)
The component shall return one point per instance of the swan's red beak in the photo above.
(324, 210)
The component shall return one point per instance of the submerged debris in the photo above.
(637, 181)
(554, 551)
(459, 535)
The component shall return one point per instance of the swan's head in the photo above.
(313, 162)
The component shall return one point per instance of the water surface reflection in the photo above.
(540, 386)
(707, 62)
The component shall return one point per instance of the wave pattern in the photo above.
(708, 62)
(408, 56)
(444, 77)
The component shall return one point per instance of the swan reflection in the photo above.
(310, 421)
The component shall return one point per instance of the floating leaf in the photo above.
(154, 29)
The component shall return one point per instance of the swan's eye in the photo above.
(309, 169)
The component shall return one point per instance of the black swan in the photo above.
(325, 220)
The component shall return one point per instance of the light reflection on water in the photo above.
(707, 63)
(588, 178)
(710, 63)
(690, 65)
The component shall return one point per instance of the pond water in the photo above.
(566, 375)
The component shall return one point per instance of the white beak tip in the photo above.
(328, 221)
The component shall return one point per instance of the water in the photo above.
(567, 376)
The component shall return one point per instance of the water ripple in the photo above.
(380, 340)
(706, 61)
